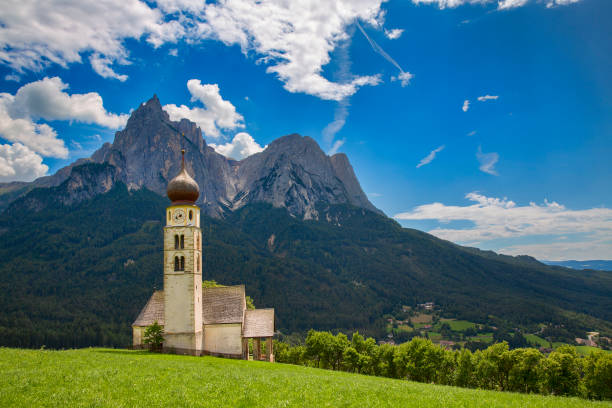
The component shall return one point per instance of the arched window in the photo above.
(177, 266)
(198, 263)
(182, 242)
(190, 215)
(169, 216)
(198, 241)
(182, 263)
(176, 242)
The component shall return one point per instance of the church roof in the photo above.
(153, 311)
(224, 304)
(258, 323)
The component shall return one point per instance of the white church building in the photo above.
(196, 320)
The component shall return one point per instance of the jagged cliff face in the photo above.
(292, 172)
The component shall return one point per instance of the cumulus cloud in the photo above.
(495, 218)
(394, 33)
(487, 97)
(35, 34)
(429, 158)
(241, 146)
(294, 38)
(487, 161)
(46, 99)
(466, 105)
(217, 114)
(19, 163)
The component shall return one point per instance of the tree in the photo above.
(598, 375)
(560, 372)
(524, 376)
(154, 336)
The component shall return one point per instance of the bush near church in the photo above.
(154, 337)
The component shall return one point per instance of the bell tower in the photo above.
(183, 266)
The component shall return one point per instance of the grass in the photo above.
(538, 341)
(484, 337)
(459, 325)
(585, 350)
(423, 318)
(122, 378)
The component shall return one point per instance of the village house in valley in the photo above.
(197, 320)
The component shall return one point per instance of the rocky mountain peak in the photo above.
(292, 172)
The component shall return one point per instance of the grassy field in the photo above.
(121, 378)
(534, 339)
(458, 325)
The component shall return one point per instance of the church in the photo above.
(196, 320)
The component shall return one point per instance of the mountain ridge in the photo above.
(292, 172)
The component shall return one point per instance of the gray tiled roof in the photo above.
(224, 304)
(258, 323)
(153, 311)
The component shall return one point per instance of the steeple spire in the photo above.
(183, 189)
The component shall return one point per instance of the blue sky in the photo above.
(524, 170)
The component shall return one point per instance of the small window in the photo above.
(182, 242)
(198, 241)
(190, 215)
(177, 265)
(169, 216)
(176, 242)
(182, 263)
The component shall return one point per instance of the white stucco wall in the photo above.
(223, 338)
(137, 335)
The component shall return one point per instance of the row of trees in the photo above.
(562, 372)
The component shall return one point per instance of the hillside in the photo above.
(104, 377)
(77, 275)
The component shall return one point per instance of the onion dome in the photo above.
(183, 189)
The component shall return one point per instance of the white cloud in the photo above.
(495, 218)
(554, 3)
(18, 163)
(487, 161)
(403, 77)
(466, 105)
(564, 251)
(394, 33)
(241, 146)
(429, 158)
(487, 97)
(501, 4)
(217, 115)
(294, 38)
(508, 4)
(337, 145)
(35, 34)
(173, 52)
(46, 99)
(472, 133)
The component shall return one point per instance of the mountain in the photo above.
(598, 265)
(81, 251)
(292, 172)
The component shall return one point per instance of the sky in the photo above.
(484, 122)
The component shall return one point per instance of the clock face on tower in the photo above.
(179, 216)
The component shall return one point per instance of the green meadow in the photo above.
(122, 378)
